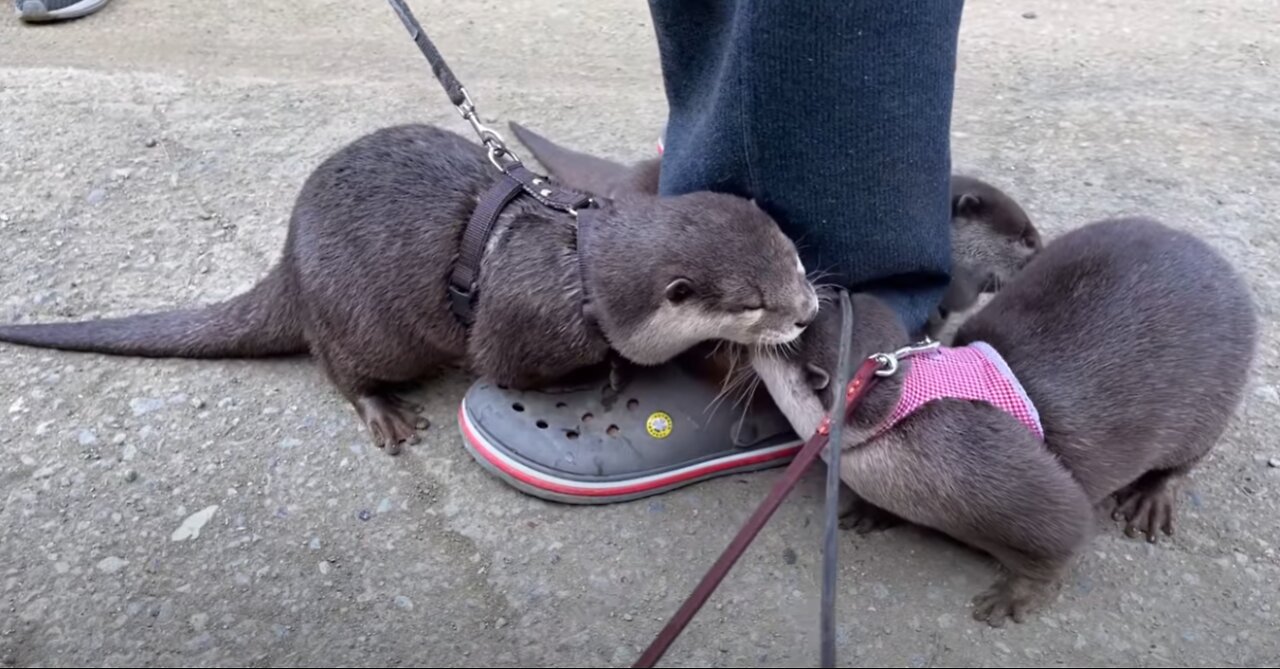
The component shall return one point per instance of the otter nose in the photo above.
(810, 315)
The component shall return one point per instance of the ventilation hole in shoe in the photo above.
(518, 406)
(561, 405)
(633, 404)
(572, 434)
(586, 417)
(613, 430)
(542, 424)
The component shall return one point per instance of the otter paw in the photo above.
(865, 518)
(1147, 510)
(1013, 597)
(392, 421)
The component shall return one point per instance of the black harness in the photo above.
(516, 181)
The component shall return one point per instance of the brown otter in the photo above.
(361, 284)
(1134, 342)
(992, 236)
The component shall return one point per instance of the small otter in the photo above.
(361, 284)
(992, 237)
(1132, 340)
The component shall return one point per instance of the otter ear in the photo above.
(679, 290)
(966, 203)
(816, 377)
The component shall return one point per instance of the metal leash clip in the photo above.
(889, 362)
(502, 157)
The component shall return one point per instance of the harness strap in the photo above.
(466, 269)
(512, 184)
(516, 179)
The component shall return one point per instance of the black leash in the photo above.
(831, 529)
(849, 393)
(516, 180)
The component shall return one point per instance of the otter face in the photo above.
(721, 270)
(992, 237)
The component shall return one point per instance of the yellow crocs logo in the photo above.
(658, 425)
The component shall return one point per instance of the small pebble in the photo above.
(789, 556)
(628, 617)
(130, 476)
(87, 438)
(364, 514)
(1274, 462)
(404, 603)
(112, 564)
(151, 142)
(96, 196)
(500, 623)
(145, 405)
(1028, 15)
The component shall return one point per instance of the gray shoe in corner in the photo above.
(584, 444)
(46, 11)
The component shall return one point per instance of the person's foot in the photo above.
(44, 11)
(585, 443)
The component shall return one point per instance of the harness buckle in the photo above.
(460, 302)
(889, 362)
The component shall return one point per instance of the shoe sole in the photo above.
(571, 491)
(34, 11)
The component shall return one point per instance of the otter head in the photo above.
(800, 378)
(992, 237)
(667, 273)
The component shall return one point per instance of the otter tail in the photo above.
(578, 170)
(259, 323)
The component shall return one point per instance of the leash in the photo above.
(826, 436)
(516, 180)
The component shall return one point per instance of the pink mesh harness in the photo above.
(974, 372)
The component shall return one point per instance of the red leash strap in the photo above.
(808, 454)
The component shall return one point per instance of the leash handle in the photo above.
(862, 381)
(830, 568)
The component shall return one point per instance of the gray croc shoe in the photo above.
(45, 11)
(584, 444)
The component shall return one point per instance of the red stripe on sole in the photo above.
(622, 488)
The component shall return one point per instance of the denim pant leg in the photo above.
(834, 115)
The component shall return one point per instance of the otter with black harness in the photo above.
(827, 436)
(412, 249)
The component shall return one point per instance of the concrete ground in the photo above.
(233, 513)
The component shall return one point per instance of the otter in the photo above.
(361, 284)
(1132, 342)
(992, 236)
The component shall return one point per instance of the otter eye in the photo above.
(679, 290)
